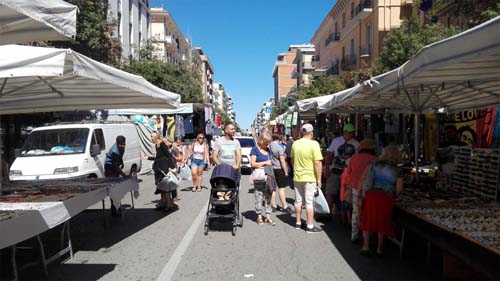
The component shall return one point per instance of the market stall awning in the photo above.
(23, 21)
(458, 73)
(183, 108)
(36, 79)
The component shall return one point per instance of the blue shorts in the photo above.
(198, 163)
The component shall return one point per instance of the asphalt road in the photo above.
(150, 245)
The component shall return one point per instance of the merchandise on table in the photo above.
(467, 216)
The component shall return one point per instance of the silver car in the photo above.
(246, 144)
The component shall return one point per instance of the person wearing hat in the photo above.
(307, 165)
(113, 166)
(332, 173)
(351, 182)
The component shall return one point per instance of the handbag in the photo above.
(319, 203)
(168, 183)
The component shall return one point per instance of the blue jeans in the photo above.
(198, 163)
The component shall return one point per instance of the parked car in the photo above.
(246, 144)
(74, 151)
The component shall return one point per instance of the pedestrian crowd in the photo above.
(360, 188)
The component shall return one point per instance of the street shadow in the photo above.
(80, 271)
(287, 218)
(107, 231)
(250, 215)
(389, 267)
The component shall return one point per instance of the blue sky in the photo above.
(242, 39)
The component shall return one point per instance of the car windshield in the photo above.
(247, 142)
(55, 142)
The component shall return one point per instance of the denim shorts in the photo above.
(198, 163)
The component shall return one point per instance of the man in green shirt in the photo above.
(307, 166)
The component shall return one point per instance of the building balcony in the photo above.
(349, 62)
(307, 65)
(335, 36)
(315, 61)
(333, 70)
(364, 9)
(365, 52)
(280, 62)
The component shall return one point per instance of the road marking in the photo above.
(168, 271)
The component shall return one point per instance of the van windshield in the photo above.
(55, 142)
(249, 142)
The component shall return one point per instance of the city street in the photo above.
(148, 245)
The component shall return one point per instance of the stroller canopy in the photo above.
(223, 172)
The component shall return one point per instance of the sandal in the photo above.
(193, 189)
(270, 221)
(198, 189)
(259, 221)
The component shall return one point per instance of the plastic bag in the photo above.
(319, 203)
(258, 175)
(168, 183)
(185, 173)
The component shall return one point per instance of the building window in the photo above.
(343, 20)
(343, 53)
(336, 27)
(368, 39)
(352, 10)
(119, 27)
(352, 51)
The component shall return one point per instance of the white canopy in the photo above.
(458, 73)
(23, 21)
(183, 108)
(36, 79)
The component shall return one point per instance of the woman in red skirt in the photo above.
(382, 182)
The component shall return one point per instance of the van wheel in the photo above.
(133, 172)
(92, 176)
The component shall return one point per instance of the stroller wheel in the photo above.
(240, 220)
(234, 230)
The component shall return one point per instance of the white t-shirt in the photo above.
(338, 141)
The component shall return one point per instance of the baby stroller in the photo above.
(224, 203)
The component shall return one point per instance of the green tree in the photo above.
(401, 44)
(93, 33)
(475, 11)
(170, 77)
(277, 111)
(320, 86)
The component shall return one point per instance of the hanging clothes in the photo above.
(188, 124)
(171, 126)
(179, 126)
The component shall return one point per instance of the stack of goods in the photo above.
(467, 216)
(476, 172)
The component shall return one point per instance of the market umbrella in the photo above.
(36, 79)
(23, 21)
(458, 73)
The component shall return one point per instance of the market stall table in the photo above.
(28, 209)
(466, 227)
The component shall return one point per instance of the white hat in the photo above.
(306, 128)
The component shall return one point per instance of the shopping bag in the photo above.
(319, 203)
(258, 175)
(168, 183)
(185, 173)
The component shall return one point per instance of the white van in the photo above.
(74, 151)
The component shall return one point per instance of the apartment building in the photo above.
(351, 35)
(133, 18)
(207, 75)
(229, 107)
(170, 44)
(284, 73)
(304, 69)
(218, 96)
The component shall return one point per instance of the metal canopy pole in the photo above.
(1, 158)
(417, 143)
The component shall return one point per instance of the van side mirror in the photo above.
(95, 150)
(17, 152)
